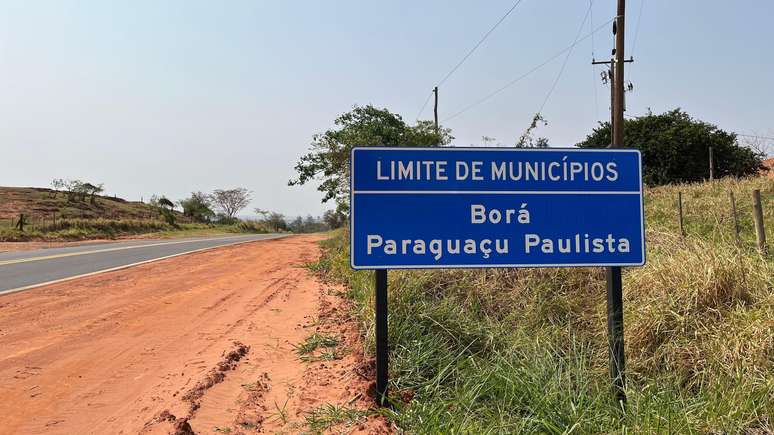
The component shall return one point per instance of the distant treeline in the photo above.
(309, 224)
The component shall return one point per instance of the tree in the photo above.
(58, 184)
(675, 148)
(487, 141)
(78, 190)
(527, 140)
(165, 207)
(334, 219)
(328, 157)
(297, 225)
(230, 201)
(91, 190)
(166, 203)
(275, 221)
(198, 207)
(75, 189)
(309, 224)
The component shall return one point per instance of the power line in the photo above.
(566, 58)
(469, 53)
(593, 67)
(637, 30)
(523, 76)
(486, 35)
(755, 136)
(636, 33)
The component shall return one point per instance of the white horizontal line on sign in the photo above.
(526, 150)
(485, 266)
(497, 192)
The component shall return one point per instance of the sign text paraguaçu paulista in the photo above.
(495, 207)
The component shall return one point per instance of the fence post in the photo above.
(20, 224)
(680, 213)
(736, 218)
(711, 165)
(758, 217)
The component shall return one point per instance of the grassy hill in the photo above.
(42, 203)
(52, 216)
(525, 350)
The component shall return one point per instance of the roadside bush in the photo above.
(108, 226)
(675, 148)
(250, 226)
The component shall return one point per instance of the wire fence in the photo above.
(725, 213)
(52, 222)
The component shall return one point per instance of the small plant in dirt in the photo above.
(328, 416)
(282, 412)
(325, 355)
(328, 343)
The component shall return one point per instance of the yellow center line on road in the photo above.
(98, 251)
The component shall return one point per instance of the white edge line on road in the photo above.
(126, 266)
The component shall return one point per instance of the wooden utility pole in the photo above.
(435, 109)
(615, 331)
(618, 80)
(614, 284)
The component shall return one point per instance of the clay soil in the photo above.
(202, 343)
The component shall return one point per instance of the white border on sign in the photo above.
(483, 266)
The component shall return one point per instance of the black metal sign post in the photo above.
(615, 332)
(382, 358)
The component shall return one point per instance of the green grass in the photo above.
(327, 343)
(78, 229)
(83, 229)
(707, 209)
(282, 412)
(328, 416)
(525, 350)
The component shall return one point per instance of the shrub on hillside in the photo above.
(251, 226)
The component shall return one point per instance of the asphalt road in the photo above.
(28, 269)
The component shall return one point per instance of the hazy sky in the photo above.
(169, 97)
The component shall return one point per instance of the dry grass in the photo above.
(707, 209)
(525, 350)
(701, 310)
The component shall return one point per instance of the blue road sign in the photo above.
(495, 207)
